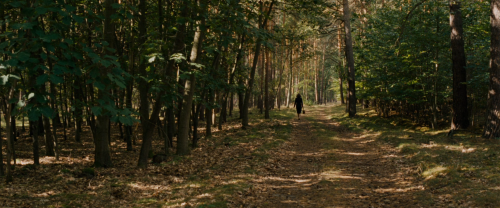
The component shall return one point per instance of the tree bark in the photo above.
(49, 140)
(267, 79)
(7, 113)
(341, 67)
(460, 118)
(290, 81)
(492, 127)
(148, 121)
(102, 150)
(171, 70)
(78, 109)
(189, 87)
(350, 60)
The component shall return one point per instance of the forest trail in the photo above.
(326, 165)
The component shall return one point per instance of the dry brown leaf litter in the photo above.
(319, 164)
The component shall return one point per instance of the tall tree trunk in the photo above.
(171, 69)
(267, 79)
(2, 31)
(7, 113)
(248, 93)
(460, 118)
(316, 80)
(189, 87)
(435, 90)
(350, 60)
(102, 150)
(49, 139)
(262, 78)
(341, 67)
(128, 97)
(54, 121)
(492, 127)
(290, 81)
(148, 121)
(78, 109)
(208, 115)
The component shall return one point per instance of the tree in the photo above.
(492, 127)
(7, 106)
(189, 87)
(350, 60)
(102, 128)
(262, 24)
(460, 119)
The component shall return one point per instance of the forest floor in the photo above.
(323, 160)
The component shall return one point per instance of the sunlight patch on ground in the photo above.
(141, 186)
(433, 133)
(285, 179)
(434, 171)
(354, 153)
(233, 182)
(205, 195)
(50, 160)
(399, 190)
(45, 194)
(389, 156)
(335, 174)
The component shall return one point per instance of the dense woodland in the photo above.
(177, 69)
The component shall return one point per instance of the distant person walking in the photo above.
(298, 104)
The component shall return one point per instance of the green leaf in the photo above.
(178, 57)
(69, 41)
(22, 56)
(42, 79)
(99, 85)
(126, 120)
(41, 10)
(96, 110)
(47, 111)
(25, 26)
(70, 8)
(199, 66)
(78, 19)
(17, 4)
(56, 79)
(34, 115)
(105, 63)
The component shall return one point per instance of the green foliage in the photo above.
(406, 57)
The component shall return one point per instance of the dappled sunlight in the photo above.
(353, 153)
(45, 194)
(335, 174)
(432, 172)
(315, 162)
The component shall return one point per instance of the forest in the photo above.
(190, 103)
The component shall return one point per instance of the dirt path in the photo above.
(325, 165)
